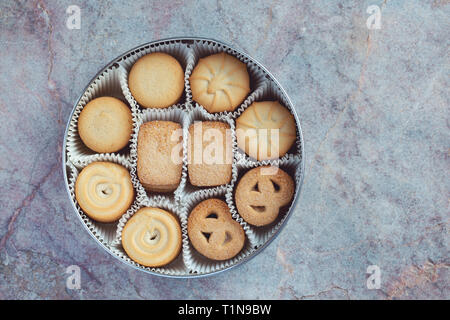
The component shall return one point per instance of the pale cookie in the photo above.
(220, 82)
(261, 192)
(105, 124)
(213, 232)
(210, 153)
(156, 80)
(104, 191)
(152, 237)
(265, 130)
(159, 155)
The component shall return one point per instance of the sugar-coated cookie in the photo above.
(156, 80)
(104, 191)
(213, 232)
(261, 192)
(159, 155)
(220, 82)
(265, 130)
(105, 124)
(152, 237)
(210, 153)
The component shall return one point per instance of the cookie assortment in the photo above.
(154, 201)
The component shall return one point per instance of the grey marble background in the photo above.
(374, 107)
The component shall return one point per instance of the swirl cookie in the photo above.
(156, 80)
(104, 191)
(265, 130)
(220, 82)
(213, 232)
(152, 237)
(260, 194)
(105, 124)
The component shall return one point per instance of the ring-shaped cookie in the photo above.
(152, 237)
(104, 191)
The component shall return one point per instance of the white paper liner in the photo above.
(177, 266)
(195, 261)
(176, 49)
(258, 78)
(106, 84)
(192, 116)
(293, 168)
(174, 113)
(114, 82)
(104, 232)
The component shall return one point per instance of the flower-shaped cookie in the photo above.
(220, 82)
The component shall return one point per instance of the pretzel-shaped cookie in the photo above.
(213, 232)
(260, 196)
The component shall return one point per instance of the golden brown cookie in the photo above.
(265, 130)
(213, 232)
(261, 192)
(220, 82)
(159, 155)
(156, 80)
(105, 124)
(104, 191)
(152, 237)
(210, 153)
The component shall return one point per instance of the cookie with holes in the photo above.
(213, 232)
(261, 192)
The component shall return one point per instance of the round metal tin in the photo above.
(298, 183)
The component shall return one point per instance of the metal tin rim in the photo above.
(298, 187)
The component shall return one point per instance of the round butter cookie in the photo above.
(104, 191)
(220, 82)
(156, 80)
(105, 124)
(265, 130)
(261, 192)
(213, 232)
(152, 237)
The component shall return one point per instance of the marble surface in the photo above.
(374, 108)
